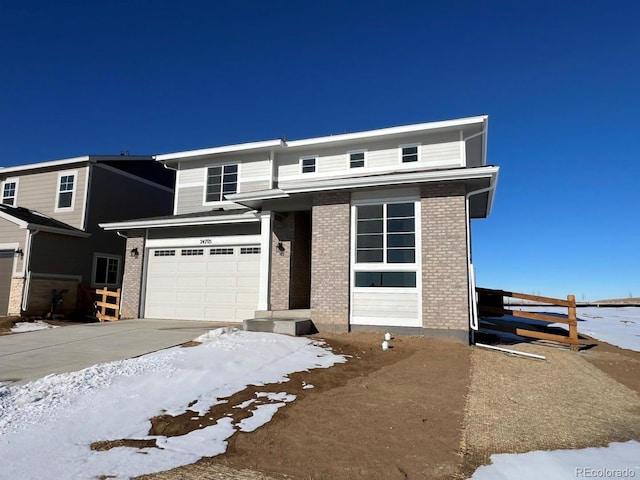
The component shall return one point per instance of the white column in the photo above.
(266, 223)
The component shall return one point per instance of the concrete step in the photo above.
(296, 313)
(285, 326)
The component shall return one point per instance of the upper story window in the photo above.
(356, 159)
(386, 233)
(9, 191)
(66, 191)
(409, 153)
(221, 180)
(308, 164)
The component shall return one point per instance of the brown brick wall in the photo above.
(330, 261)
(132, 279)
(283, 229)
(445, 278)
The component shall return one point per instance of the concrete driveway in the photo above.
(31, 355)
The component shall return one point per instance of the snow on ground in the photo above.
(618, 460)
(47, 426)
(20, 327)
(615, 325)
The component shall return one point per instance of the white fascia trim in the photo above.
(54, 163)
(258, 195)
(388, 131)
(181, 222)
(216, 150)
(197, 242)
(134, 177)
(384, 180)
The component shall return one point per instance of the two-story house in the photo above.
(363, 230)
(49, 234)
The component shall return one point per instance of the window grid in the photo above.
(221, 251)
(356, 160)
(410, 153)
(249, 250)
(65, 191)
(192, 252)
(308, 165)
(9, 193)
(387, 237)
(106, 270)
(221, 180)
(164, 253)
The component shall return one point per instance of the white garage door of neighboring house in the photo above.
(204, 283)
(6, 267)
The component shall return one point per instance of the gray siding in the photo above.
(61, 255)
(11, 233)
(38, 191)
(253, 175)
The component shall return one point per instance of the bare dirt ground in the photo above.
(430, 409)
(425, 409)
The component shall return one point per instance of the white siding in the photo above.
(380, 307)
(437, 150)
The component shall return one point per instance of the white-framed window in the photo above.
(308, 164)
(357, 158)
(249, 250)
(385, 244)
(67, 182)
(221, 180)
(10, 191)
(106, 270)
(221, 251)
(192, 252)
(410, 153)
(164, 253)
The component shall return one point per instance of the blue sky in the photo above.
(559, 80)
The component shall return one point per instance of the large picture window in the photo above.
(385, 233)
(221, 180)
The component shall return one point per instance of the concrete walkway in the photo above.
(31, 355)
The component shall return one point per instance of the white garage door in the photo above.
(205, 283)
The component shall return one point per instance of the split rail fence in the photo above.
(492, 302)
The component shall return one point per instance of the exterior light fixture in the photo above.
(134, 252)
(280, 248)
(19, 253)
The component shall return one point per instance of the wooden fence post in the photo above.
(573, 323)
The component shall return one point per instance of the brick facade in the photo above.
(15, 296)
(330, 219)
(132, 279)
(445, 275)
(40, 295)
(283, 231)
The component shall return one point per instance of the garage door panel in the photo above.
(203, 287)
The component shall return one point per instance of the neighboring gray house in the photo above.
(49, 234)
(365, 230)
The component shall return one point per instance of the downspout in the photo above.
(473, 306)
(271, 169)
(27, 270)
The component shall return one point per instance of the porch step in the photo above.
(283, 314)
(285, 326)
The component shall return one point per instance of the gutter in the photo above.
(473, 306)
